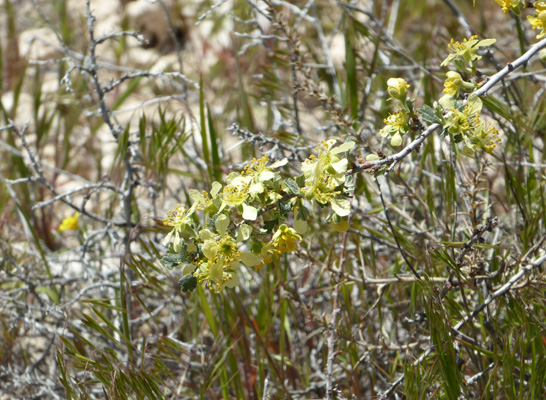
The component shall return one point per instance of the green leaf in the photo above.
(284, 205)
(269, 226)
(300, 180)
(303, 212)
(216, 163)
(429, 115)
(350, 67)
(133, 85)
(172, 260)
(292, 186)
(188, 283)
(300, 225)
(204, 138)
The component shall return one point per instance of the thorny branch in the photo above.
(482, 91)
(103, 284)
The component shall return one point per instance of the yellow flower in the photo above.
(486, 137)
(223, 255)
(397, 88)
(204, 200)
(257, 174)
(465, 52)
(284, 240)
(259, 169)
(539, 20)
(179, 219)
(458, 122)
(69, 223)
(236, 192)
(396, 125)
(455, 82)
(469, 130)
(452, 83)
(507, 5)
(324, 172)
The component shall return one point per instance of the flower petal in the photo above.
(249, 212)
(210, 249)
(70, 223)
(216, 272)
(244, 232)
(256, 188)
(343, 148)
(396, 140)
(168, 238)
(266, 176)
(233, 281)
(279, 163)
(341, 207)
(221, 224)
(341, 166)
(300, 226)
(216, 187)
(205, 234)
(249, 259)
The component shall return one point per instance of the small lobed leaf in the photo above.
(292, 185)
(188, 283)
(269, 226)
(429, 115)
(173, 259)
(284, 205)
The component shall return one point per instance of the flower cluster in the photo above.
(324, 173)
(460, 119)
(223, 254)
(396, 125)
(469, 130)
(244, 221)
(538, 21)
(465, 55)
(508, 5)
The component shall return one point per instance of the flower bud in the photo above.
(398, 88)
(453, 83)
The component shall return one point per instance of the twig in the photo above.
(260, 140)
(502, 290)
(73, 191)
(476, 238)
(93, 71)
(397, 382)
(37, 166)
(386, 210)
(474, 378)
(210, 11)
(336, 309)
